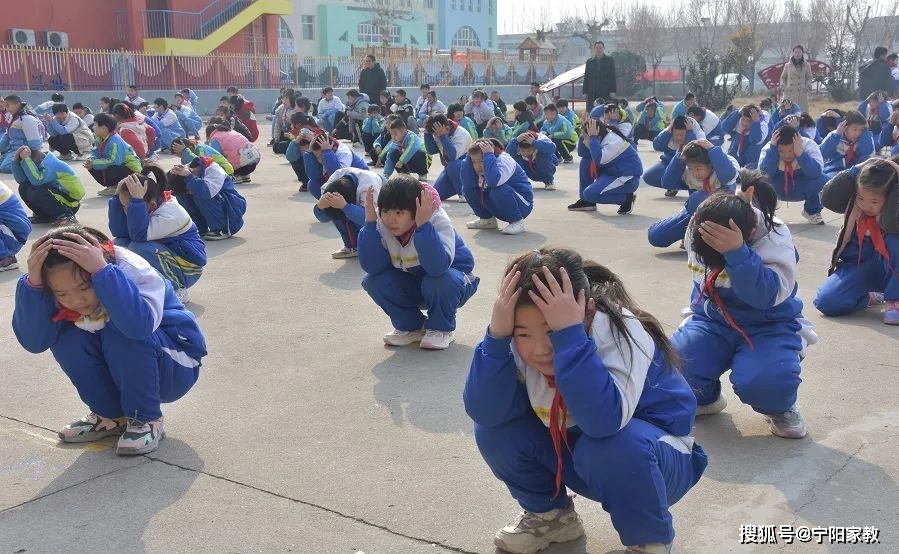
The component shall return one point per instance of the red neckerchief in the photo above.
(65, 314)
(350, 233)
(407, 236)
(743, 134)
(558, 429)
(788, 178)
(850, 154)
(707, 184)
(709, 291)
(868, 225)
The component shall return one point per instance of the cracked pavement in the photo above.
(305, 434)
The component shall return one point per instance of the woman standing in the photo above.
(796, 78)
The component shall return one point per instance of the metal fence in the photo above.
(72, 69)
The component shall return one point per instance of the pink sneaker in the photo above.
(891, 315)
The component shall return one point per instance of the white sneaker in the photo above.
(183, 295)
(788, 425)
(708, 409)
(514, 228)
(140, 437)
(107, 191)
(344, 253)
(651, 548)
(68, 156)
(549, 186)
(437, 340)
(422, 176)
(814, 219)
(483, 224)
(533, 532)
(461, 199)
(403, 338)
(152, 158)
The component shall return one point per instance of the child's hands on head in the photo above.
(39, 251)
(502, 322)
(703, 143)
(592, 127)
(134, 186)
(439, 129)
(371, 214)
(557, 302)
(424, 208)
(85, 252)
(722, 239)
(486, 146)
(181, 170)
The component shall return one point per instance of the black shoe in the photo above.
(628, 205)
(304, 187)
(64, 220)
(671, 192)
(35, 220)
(581, 206)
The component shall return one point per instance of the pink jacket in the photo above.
(229, 143)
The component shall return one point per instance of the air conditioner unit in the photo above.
(21, 37)
(56, 39)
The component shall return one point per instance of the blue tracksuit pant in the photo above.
(765, 376)
(635, 473)
(44, 205)
(804, 189)
(846, 289)
(672, 229)
(14, 231)
(653, 175)
(208, 215)
(403, 295)
(501, 202)
(181, 273)
(606, 189)
(117, 376)
(449, 182)
(543, 170)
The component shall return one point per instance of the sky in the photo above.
(510, 12)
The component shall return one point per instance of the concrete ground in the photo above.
(306, 434)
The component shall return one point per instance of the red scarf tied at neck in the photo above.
(558, 429)
(868, 225)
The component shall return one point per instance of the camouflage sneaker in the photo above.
(532, 532)
(652, 548)
(91, 428)
(140, 437)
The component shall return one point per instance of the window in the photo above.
(480, 6)
(429, 4)
(371, 33)
(490, 37)
(471, 5)
(308, 27)
(453, 4)
(490, 7)
(430, 34)
(466, 37)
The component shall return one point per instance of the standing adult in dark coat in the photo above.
(875, 75)
(372, 79)
(599, 77)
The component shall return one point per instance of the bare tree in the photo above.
(712, 19)
(648, 34)
(754, 19)
(882, 27)
(588, 24)
(386, 14)
(684, 37)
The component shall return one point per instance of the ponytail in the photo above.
(764, 197)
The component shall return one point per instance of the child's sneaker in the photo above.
(814, 219)
(891, 315)
(107, 191)
(437, 340)
(489, 223)
(64, 220)
(549, 186)
(215, 235)
(9, 263)
(514, 228)
(533, 532)
(651, 548)
(461, 199)
(422, 176)
(628, 205)
(875, 299)
(788, 425)
(345, 253)
(582, 206)
(183, 294)
(403, 338)
(671, 192)
(708, 409)
(141, 437)
(91, 428)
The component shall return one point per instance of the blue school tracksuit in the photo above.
(857, 267)
(881, 115)
(504, 192)
(157, 144)
(665, 144)
(629, 419)
(170, 127)
(541, 169)
(750, 322)
(167, 238)
(23, 130)
(802, 180)
(452, 156)
(432, 271)
(610, 169)
(212, 201)
(889, 138)
(14, 223)
(807, 132)
(746, 144)
(353, 218)
(141, 349)
(189, 120)
(711, 127)
(319, 172)
(503, 135)
(666, 232)
(840, 154)
(51, 189)
(779, 115)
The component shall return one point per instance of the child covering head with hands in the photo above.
(116, 329)
(575, 386)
